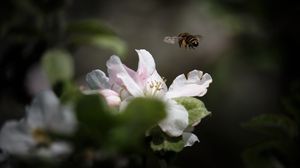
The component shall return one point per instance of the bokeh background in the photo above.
(250, 49)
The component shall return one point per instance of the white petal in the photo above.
(55, 150)
(47, 113)
(189, 139)
(97, 80)
(43, 105)
(119, 75)
(146, 64)
(15, 138)
(194, 76)
(176, 120)
(195, 85)
(62, 121)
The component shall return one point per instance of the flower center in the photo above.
(154, 87)
(40, 136)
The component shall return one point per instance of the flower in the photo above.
(31, 135)
(126, 84)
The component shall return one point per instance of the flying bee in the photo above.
(184, 40)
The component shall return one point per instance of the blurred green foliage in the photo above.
(58, 65)
(114, 133)
(92, 32)
(279, 146)
(29, 28)
(162, 142)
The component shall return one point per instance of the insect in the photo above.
(184, 40)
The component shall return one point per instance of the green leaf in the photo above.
(89, 27)
(273, 124)
(140, 115)
(93, 32)
(143, 113)
(70, 92)
(195, 108)
(58, 65)
(265, 154)
(163, 142)
(94, 115)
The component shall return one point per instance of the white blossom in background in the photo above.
(123, 84)
(30, 136)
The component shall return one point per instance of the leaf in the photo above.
(143, 113)
(163, 142)
(93, 32)
(94, 115)
(89, 26)
(140, 115)
(195, 108)
(273, 124)
(70, 93)
(58, 65)
(271, 154)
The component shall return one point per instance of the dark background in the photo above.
(250, 48)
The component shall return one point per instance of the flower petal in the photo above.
(146, 64)
(119, 75)
(62, 121)
(97, 80)
(195, 85)
(112, 98)
(55, 151)
(45, 112)
(41, 108)
(189, 139)
(176, 120)
(15, 139)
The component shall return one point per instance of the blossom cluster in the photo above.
(47, 129)
(124, 84)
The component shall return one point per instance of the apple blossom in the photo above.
(30, 135)
(126, 84)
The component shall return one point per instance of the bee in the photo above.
(184, 40)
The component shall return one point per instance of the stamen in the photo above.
(155, 86)
(40, 136)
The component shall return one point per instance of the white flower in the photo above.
(146, 81)
(30, 136)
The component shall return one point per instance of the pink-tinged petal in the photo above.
(134, 75)
(146, 64)
(112, 98)
(195, 85)
(119, 75)
(176, 121)
(189, 139)
(97, 80)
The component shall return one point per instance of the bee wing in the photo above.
(170, 39)
(199, 37)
